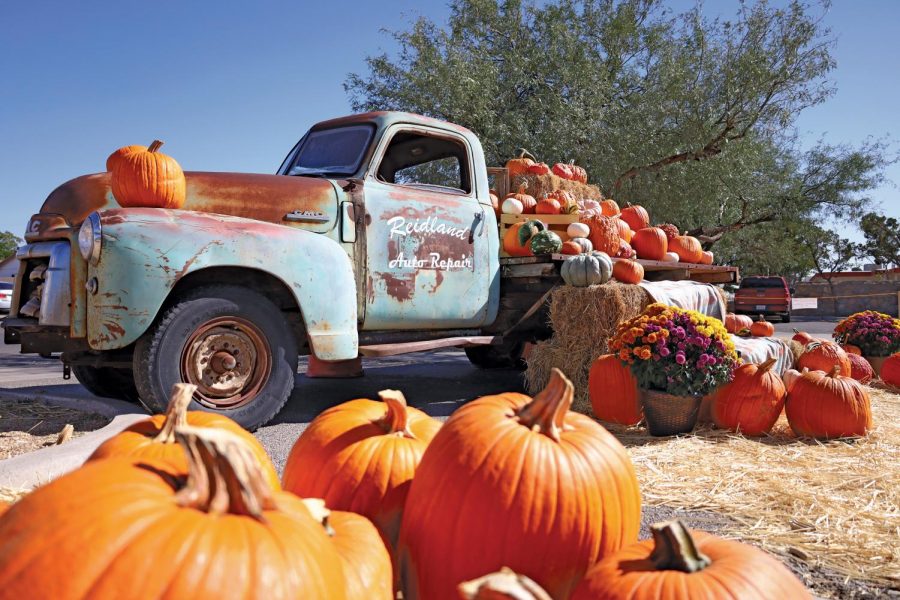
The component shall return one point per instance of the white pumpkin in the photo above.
(511, 206)
(578, 230)
(670, 257)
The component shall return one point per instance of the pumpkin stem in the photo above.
(546, 413)
(224, 477)
(523, 153)
(761, 319)
(523, 189)
(835, 371)
(767, 365)
(320, 513)
(504, 583)
(674, 548)
(396, 419)
(176, 412)
(156, 145)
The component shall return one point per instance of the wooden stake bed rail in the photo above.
(654, 270)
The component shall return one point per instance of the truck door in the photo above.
(427, 242)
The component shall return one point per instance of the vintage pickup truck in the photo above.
(375, 237)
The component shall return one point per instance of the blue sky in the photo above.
(230, 86)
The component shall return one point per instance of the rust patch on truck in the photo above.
(399, 287)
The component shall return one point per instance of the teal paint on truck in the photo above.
(147, 251)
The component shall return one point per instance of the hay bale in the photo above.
(583, 320)
(539, 185)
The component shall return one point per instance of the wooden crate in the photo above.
(556, 223)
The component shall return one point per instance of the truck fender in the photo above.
(146, 251)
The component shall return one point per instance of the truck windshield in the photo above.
(337, 151)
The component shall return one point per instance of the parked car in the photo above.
(764, 295)
(6, 290)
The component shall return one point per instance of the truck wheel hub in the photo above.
(228, 360)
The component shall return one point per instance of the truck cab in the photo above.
(377, 230)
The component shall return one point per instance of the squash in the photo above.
(528, 202)
(147, 178)
(762, 328)
(625, 231)
(636, 216)
(154, 437)
(677, 564)
(368, 571)
(539, 169)
(512, 206)
(614, 391)
(570, 248)
(822, 355)
(604, 233)
(586, 246)
(706, 258)
(735, 323)
(609, 207)
(578, 230)
(890, 370)
(519, 165)
(115, 528)
(586, 269)
(628, 271)
(752, 401)
(563, 171)
(650, 243)
(545, 242)
(625, 250)
(516, 238)
(828, 405)
(361, 456)
(670, 230)
(860, 369)
(670, 257)
(687, 248)
(526, 483)
(548, 206)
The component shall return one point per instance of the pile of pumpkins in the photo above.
(744, 326)
(526, 164)
(823, 397)
(377, 497)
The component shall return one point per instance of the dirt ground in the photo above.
(27, 425)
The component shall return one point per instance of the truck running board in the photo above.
(374, 350)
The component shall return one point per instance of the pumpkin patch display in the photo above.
(828, 405)
(687, 248)
(628, 271)
(154, 437)
(467, 513)
(677, 564)
(822, 355)
(361, 456)
(650, 243)
(545, 242)
(368, 571)
(636, 216)
(520, 165)
(604, 234)
(517, 237)
(119, 529)
(752, 401)
(528, 202)
(860, 369)
(146, 178)
(614, 391)
(586, 269)
(762, 328)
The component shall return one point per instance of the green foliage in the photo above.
(882, 239)
(689, 116)
(8, 244)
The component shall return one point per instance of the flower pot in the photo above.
(877, 362)
(667, 414)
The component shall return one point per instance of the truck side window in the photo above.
(420, 160)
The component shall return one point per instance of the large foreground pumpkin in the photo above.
(517, 482)
(120, 530)
(361, 456)
(154, 438)
(614, 391)
(752, 401)
(680, 565)
(367, 564)
(827, 405)
(146, 177)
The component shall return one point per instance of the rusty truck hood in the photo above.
(249, 195)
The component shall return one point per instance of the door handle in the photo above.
(479, 217)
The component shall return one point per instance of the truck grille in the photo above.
(33, 287)
(45, 292)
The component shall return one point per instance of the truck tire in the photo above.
(107, 382)
(233, 343)
(503, 356)
(786, 318)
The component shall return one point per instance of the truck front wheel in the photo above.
(232, 343)
(502, 356)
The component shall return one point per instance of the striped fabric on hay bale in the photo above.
(583, 320)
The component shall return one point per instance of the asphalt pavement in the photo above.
(435, 382)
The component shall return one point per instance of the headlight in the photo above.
(89, 238)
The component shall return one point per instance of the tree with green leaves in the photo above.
(689, 116)
(882, 239)
(8, 244)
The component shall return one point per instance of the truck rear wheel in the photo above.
(502, 356)
(107, 382)
(233, 343)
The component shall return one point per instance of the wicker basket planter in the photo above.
(667, 414)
